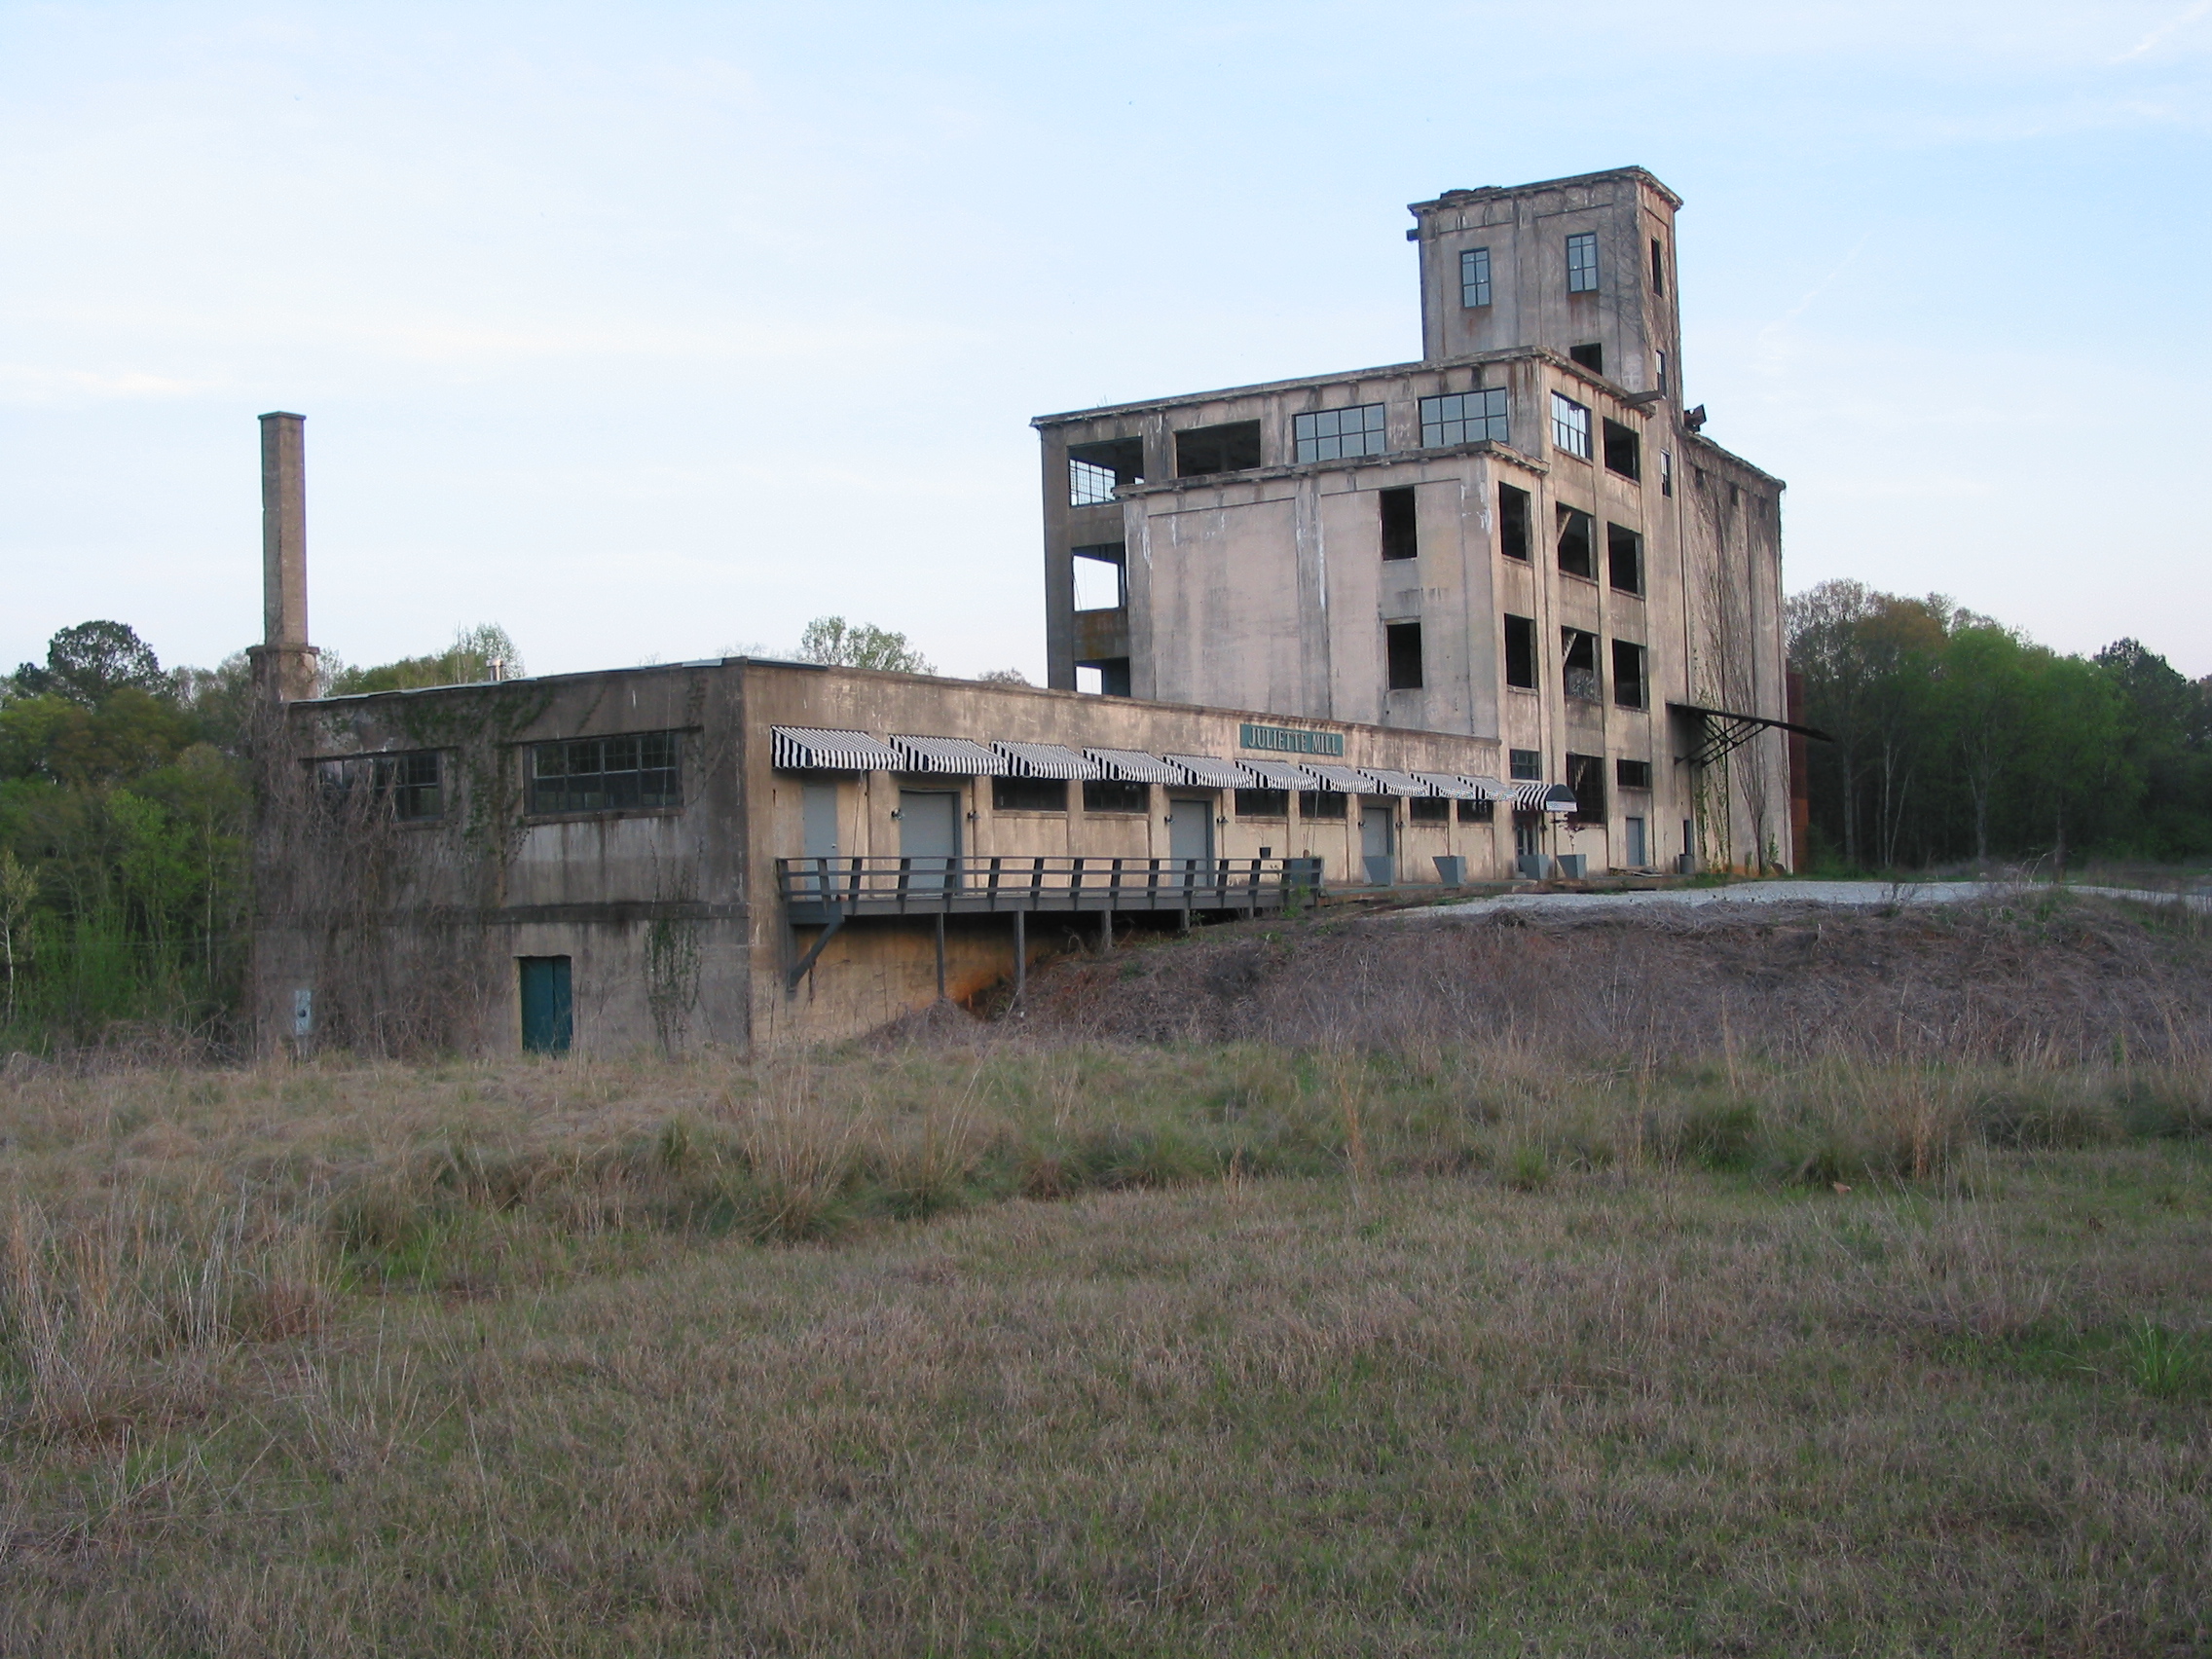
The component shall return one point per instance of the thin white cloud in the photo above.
(2180, 20)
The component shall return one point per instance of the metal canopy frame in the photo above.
(1720, 733)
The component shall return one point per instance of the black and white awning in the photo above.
(1390, 782)
(954, 757)
(1543, 797)
(1047, 760)
(1451, 787)
(1276, 774)
(1338, 780)
(807, 749)
(1131, 767)
(1209, 773)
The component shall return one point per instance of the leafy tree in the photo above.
(486, 651)
(860, 644)
(1003, 677)
(91, 661)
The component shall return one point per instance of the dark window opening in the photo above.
(1263, 804)
(1658, 266)
(605, 774)
(1474, 276)
(1029, 794)
(1200, 450)
(1401, 537)
(1338, 434)
(1590, 356)
(1582, 263)
(1632, 774)
(1478, 811)
(1578, 556)
(1525, 765)
(1402, 646)
(1108, 677)
(1321, 803)
(411, 785)
(1624, 451)
(1094, 470)
(1116, 795)
(1627, 675)
(1666, 472)
(1624, 559)
(1586, 778)
(1521, 652)
(1465, 417)
(1579, 668)
(1513, 533)
(1099, 573)
(1428, 809)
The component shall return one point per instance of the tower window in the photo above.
(1570, 426)
(1338, 434)
(1627, 675)
(1525, 765)
(1463, 417)
(1401, 532)
(1624, 450)
(1578, 556)
(1632, 774)
(1513, 521)
(1658, 266)
(1402, 645)
(1094, 470)
(1474, 276)
(1582, 263)
(1666, 472)
(1624, 559)
(1200, 450)
(1098, 575)
(1521, 652)
(1579, 651)
(1590, 356)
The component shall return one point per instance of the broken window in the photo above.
(1513, 521)
(1263, 804)
(1586, 779)
(1525, 765)
(1336, 434)
(1098, 575)
(412, 784)
(1402, 650)
(1632, 774)
(1116, 795)
(1666, 472)
(1428, 809)
(1658, 266)
(1624, 559)
(1474, 276)
(1029, 794)
(1463, 417)
(1627, 675)
(1624, 451)
(1201, 450)
(1662, 357)
(1107, 676)
(1477, 811)
(1590, 356)
(1401, 537)
(1582, 263)
(1321, 803)
(1578, 653)
(1570, 426)
(1521, 652)
(605, 774)
(1096, 470)
(1577, 552)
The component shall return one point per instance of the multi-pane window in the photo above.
(1570, 426)
(1029, 794)
(1320, 804)
(1338, 434)
(1632, 774)
(1263, 804)
(1586, 778)
(1096, 468)
(1477, 811)
(1474, 276)
(1428, 809)
(1463, 417)
(412, 784)
(1089, 486)
(1582, 263)
(605, 774)
(1116, 795)
(1525, 765)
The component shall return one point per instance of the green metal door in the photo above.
(548, 1009)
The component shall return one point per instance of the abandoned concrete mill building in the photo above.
(1501, 611)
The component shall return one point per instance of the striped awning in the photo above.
(953, 755)
(1388, 781)
(1276, 774)
(1492, 789)
(1131, 767)
(1047, 760)
(1338, 780)
(1208, 773)
(1543, 797)
(805, 748)
(1451, 787)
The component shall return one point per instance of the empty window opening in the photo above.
(1521, 652)
(1477, 811)
(1662, 358)
(1428, 809)
(1658, 266)
(1464, 418)
(1474, 276)
(1096, 470)
(1201, 450)
(1577, 552)
(1632, 774)
(1578, 657)
(1098, 574)
(605, 774)
(1582, 263)
(1525, 765)
(1586, 778)
(1666, 472)
(1513, 534)
(1590, 356)
(1624, 451)
(1029, 794)
(1624, 559)
(1570, 426)
(1108, 677)
(1321, 803)
(1116, 795)
(1627, 675)
(1263, 804)
(1336, 434)
(1401, 537)
(1402, 649)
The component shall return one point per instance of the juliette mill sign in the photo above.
(1289, 740)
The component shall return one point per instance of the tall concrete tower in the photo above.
(284, 663)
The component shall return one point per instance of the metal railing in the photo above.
(817, 889)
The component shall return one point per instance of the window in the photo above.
(1338, 434)
(1658, 266)
(1115, 795)
(1590, 356)
(1662, 357)
(411, 784)
(1478, 811)
(1570, 426)
(1624, 559)
(1513, 533)
(1402, 647)
(1463, 417)
(1428, 809)
(1029, 794)
(1624, 451)
(1521, 652)
(1632, 774)
(1095, 469)
(1579, 659)
(1582, 263)
(1263, 804)
(1200, 450)
(1320, 804)
(1586, 777)
(1401, 537)
(1666, 472)
(1525, 765)
(1627, 675)
(605, 774)
(1107, 676)
(1474, 276)
(1098, 574)
(1577, 553)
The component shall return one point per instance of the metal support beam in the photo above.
(836, 921)
(940, 957)
(1105, 932)
(1020, 953)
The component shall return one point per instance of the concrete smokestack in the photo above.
(284, 664)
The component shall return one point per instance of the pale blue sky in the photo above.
(647, 330)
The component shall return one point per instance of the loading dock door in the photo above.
(817, 803)
(1190, 834)
(929, 834)
(548, 1006)
(1377, 819)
